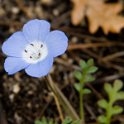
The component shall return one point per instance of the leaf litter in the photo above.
(99, 14)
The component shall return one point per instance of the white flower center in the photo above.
(35, 52)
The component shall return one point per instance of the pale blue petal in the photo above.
(14, 45)
(36, 30)
(41, 68)
(57, 42)
(13, 65)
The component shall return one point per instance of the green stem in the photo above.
(81, 100)
(81, 107)
(108, 114)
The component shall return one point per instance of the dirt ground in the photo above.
(25, 99)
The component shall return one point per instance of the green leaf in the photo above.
(120, 95)
(102, 119)
(103, 103)
(117, 110)
(76, 122)
(51, 122)
(78, 86)
(44, 121)
(78, 75)
(117, 85)
(83, 64)
(89, 78)
(67, 120)
(114, 95)
(108, 88)
(86, 91)
(92, 69)
(90, 62)
(38, 122)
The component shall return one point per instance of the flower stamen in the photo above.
(32, 44)
(34, 52)
(26, 51)
(41, 45)
(39, 54)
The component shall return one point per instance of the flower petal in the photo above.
(36, 30)
(41, 68)
(14, 45)
(57, 42)
(13, 65)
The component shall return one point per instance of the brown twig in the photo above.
(93, 45)
(113, 56)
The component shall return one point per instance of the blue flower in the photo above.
(34, 48)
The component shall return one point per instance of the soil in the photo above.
(25, 99)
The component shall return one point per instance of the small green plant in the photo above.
(114, 94)
(67, 120)
(45, 121)
(84, 76)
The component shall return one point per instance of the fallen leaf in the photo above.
(78, 11)
(99, 14)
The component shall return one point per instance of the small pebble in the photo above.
(17, 118)
(29, 105)
(55, 12)
(11, 97)
(16, 88)
(74, 39)
(15, 10)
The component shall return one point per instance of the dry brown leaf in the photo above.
(78, 11)
(99, 14)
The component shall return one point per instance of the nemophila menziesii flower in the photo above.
(34, 48)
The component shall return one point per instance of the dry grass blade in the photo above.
(62, 99)
(58, 107)
(93, 45)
